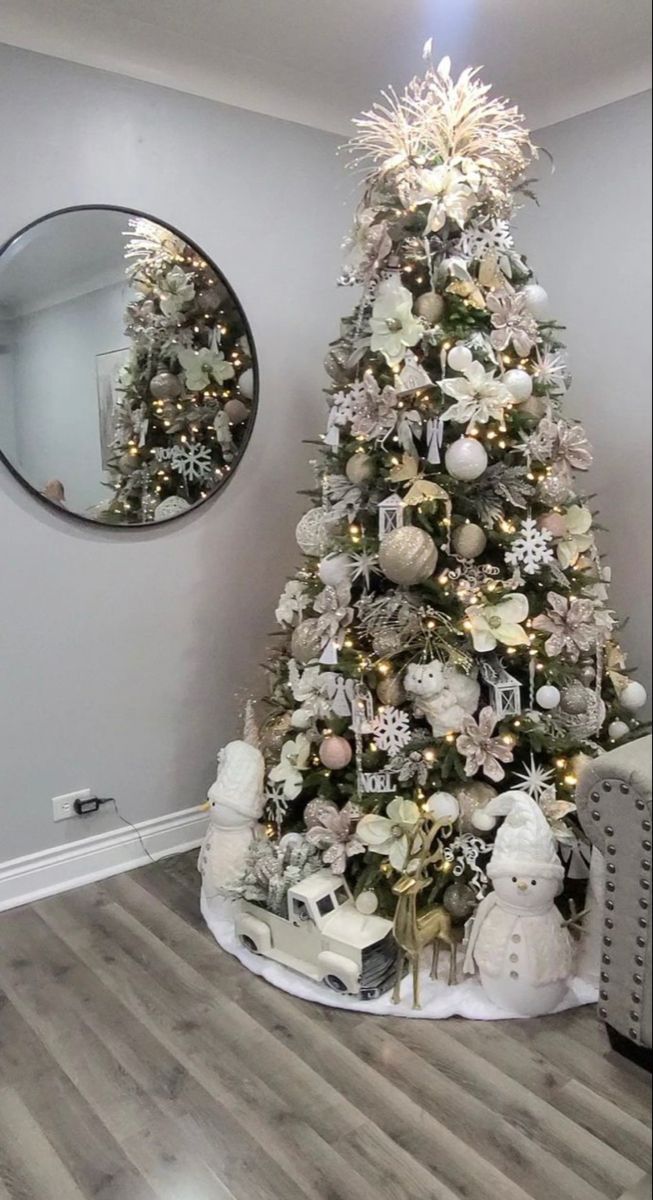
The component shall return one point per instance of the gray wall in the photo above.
(121, 654)
(590, 243)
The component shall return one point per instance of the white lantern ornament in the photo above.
(392, 515)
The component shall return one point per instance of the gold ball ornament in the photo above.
(360, 469)
(307, 641)
(236, 411)
(390, 691)
(408, 556)
(469, 541)
(165, 386)
(430, 306)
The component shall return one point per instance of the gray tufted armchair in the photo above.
(614, 804)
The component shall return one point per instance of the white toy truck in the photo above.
(325, 937)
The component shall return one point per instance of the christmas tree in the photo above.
(183, 412)
(449, 635)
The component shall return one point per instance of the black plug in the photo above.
(87, 808)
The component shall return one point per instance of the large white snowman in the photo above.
(519, 943)
(236, 802)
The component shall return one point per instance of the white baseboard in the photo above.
(63, 868)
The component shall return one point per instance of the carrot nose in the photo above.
(523, 887)
(205, 807)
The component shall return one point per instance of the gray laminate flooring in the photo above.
(139, 1062)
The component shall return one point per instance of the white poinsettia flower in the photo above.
(292, 602)
(480, 396)
(491, 624)
(391, 836)
(451, 192)
(177, 290)
(395, 328)
(204, 367)
(295, 758)
(577, 539)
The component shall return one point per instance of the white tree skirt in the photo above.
(438, 1000)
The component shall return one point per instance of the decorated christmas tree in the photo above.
(183, 405)
(449, 636)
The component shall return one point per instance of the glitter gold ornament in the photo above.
(165, 386)
(360, 469)
(408, 556)
(390, 691)
(430, 306)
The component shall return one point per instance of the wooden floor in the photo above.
(138, 1062)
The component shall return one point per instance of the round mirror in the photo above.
(128, 374)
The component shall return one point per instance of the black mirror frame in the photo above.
(141, 525)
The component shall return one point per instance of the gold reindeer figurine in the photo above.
(415, 931)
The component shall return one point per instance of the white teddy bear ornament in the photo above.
(443, 695)
(236, 801)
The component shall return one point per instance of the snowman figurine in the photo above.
(519, 943)
(235, 802)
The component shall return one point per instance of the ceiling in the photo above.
(319, 62)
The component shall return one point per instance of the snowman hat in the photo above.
(524, 844)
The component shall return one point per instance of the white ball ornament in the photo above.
(408, 556)
(469, 541)
(537, 300)
(314, 531)
(460, 358)
(634, 696)
(335, 753)
(466, 459)
(519, 383)
(430, 306)
(549, 697)
(444, 807)
(246, 384)
(367, 904)
(335, 569)
(618, 730)
(236, 411)
(484, 822)
(360, 469)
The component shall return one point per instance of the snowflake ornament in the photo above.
(391, 730)
(531, 549)
(192, 462)
(275, 801)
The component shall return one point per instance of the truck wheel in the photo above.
(335, 985)
(249, 944)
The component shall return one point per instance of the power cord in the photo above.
(87, 808)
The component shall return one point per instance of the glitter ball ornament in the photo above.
(275, 733)
(556, 487)
(390, 691)
(172, 506)
(360, 469)
(165, 386)
(246, 384)
(519, 383)
(472, 799)
(575, 699)
(549, 697)
(588, 674)
(408, 556)
(633, 697)
(314, 532)
(430, 306)
(466, 459)
(211, 298)
(387, 642)
(236, 411)
(618, 730)
(335, 753)
(459, 901)
(460, 358)
(335, 569)
(307, 641)
(537, 300)
(469, 541)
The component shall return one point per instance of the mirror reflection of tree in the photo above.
(184, 400)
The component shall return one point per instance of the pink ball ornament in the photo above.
(554, 523)
(335, 753)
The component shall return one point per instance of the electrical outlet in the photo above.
(63, 807)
